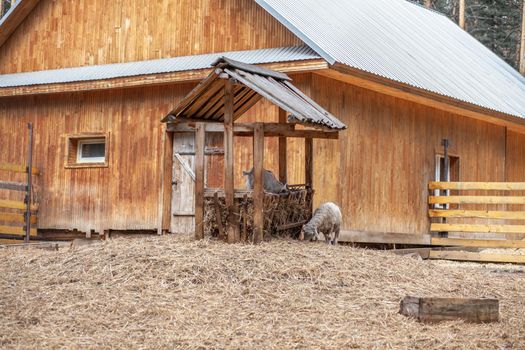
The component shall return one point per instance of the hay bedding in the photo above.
(171, 292)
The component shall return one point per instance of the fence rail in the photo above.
(495, 198)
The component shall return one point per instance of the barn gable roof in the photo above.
(206, 101)
(405, 43)
(14, 17)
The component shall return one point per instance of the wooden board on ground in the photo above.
(450, 309)
(383, 238)
(477, 257)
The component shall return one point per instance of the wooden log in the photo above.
(17, 168)
(258, 193)
(13, 186)
(450, 309)
(478, 257)
(229, 178)
(481, 243)
(218, 216)
(200, 141)
(482, 214)
(490, 186)
(476, 228)
(283, 151)
(476, 199)
(16, 217)
(16, 205)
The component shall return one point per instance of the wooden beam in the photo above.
(481, 243)
(308, 162)
(462, 14)
(16, 217)
(477, 228)
(151, 79)
(476, 199)
(383, 237)
(450, 309)
(258, 193)
(489, 186)
(477, 257)
(229, 161)
(404, 91)
(482, 214)
(283, 150)
(13, 186)
(16, 205)
(200, 143)
(17, 168)
(17, 231)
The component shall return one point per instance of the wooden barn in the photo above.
(422, 101)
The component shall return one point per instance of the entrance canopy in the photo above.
(251, 83)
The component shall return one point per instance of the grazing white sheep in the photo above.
(326, 220)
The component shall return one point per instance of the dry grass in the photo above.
(171, 292)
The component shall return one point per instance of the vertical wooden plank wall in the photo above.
(64, 33)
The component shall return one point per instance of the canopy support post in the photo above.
(258, 193)
(200, 139)
(309, 165)
(229, 179)
(283, 166)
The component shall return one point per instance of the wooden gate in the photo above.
(478, 214)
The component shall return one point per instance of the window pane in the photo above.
(93, 150)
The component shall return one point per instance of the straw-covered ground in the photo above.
(171, 292)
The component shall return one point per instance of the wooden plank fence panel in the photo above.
(13, 186)
(17, 168)
(476, 200)
(480, 243)
(489, 186)
(16, 205)
(477, 228)
(19, 231)
(477, 257)
(16, 217)
(481, 214)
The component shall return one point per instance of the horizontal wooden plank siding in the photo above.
(477, 228)
(492, 186)
(482, 214)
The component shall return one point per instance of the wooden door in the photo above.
(183, 184)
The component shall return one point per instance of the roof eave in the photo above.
(14, 17)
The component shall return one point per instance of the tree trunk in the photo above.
(522, 41)
(462, 13)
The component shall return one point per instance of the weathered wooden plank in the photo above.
(218, 216)
(16, 217)
(438, 227)
(496, 186)
(229, 176)
(481, 243)
(17, 168)
(476, 199)
(383, 237)
(14, 230)
(450, 309)
(200, 143)
(13, 186)
(483, 214)
(258, 193)
(16, 205)
(477, 257)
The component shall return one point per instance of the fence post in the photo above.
(29, 187)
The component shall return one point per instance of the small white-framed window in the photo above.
(91, 151)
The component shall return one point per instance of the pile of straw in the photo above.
(172, 292)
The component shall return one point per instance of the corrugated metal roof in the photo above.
(206, 100)
(167, 65)
(407, 43)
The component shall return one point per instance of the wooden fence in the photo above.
(487, 208)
